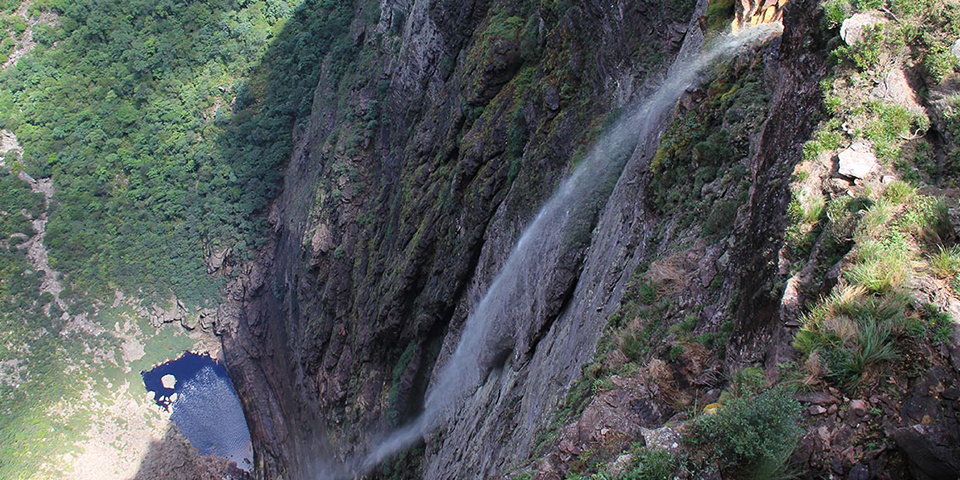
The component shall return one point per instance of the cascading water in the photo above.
(490, 330)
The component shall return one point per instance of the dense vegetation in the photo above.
(163, 126)
(163, 134)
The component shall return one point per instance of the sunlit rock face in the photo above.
(754, 12)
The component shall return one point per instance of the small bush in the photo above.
(651, 465)
(939, 62)
(721, 218)
(751, 431)
(836, 11)
(824, 140)
(867, 53)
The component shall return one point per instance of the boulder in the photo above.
(858, 161)
(665, 438)
(851, 31)
(931, 449)
(168, 381)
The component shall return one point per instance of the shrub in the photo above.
(750, 433)
(651, 465)
(719, 14)
(835, 12)
(867, 53)
(721, 217)
(939, 62)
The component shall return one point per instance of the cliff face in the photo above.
(427, 153)
(418, 170)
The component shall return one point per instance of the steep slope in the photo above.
(430, 147)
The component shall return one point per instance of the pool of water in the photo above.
(203, 404)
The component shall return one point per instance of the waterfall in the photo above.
(490, 329)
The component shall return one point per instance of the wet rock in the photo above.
(858, 161)
(552, 98)
(322, 240)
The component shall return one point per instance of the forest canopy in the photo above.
(162, 129)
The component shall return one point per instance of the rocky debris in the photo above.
(25, 42)
(852, 29)
(858, 161)
(817, 398)
(858, 407)
(168, 381)
(817, 410)
(188, 318)
(611, 422)
(215, 260)
(8, 143)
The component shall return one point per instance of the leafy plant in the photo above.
(749, 433)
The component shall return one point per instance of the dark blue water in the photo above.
(204, 406)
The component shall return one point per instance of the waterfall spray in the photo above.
(490, 326)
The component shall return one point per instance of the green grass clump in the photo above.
(752, 433)
(939, 62)
(890, 126)
(928, 218)
(853, 329)
(825, 140)
(899, 192)
(946, 262)
(882, 265)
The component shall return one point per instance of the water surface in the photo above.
(204, 406)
